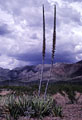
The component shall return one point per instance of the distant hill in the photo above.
(61, 72)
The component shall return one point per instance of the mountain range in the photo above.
(61, 72)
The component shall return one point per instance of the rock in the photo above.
(60, 99)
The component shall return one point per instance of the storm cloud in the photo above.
(21, 31)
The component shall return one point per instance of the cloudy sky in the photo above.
(21, 31)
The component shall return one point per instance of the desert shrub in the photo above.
(71, 94)
(32, 107)
(16, 105)
(52, 88)
(57, 111)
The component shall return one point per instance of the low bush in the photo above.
(32, 107)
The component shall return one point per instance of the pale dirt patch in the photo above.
(5, 92)
(60, 99)
(72, 112)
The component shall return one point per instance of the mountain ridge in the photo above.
(61, 72)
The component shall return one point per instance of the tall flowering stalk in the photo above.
(53, 51)
(43, 51)
(54, 37)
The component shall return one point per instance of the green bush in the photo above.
(71, 94)
(32, 107)
(57, 111)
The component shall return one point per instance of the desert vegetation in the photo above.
(53, 51)
(19, 103)
(31, 107)
(24, 101)
(48, 101)
(43, 51)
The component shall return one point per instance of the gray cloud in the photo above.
(34, 36)
(21, 31)
(4, 30)
(35, 58)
